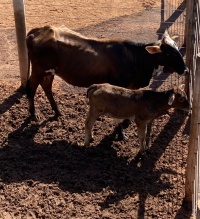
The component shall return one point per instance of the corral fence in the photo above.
(188, 29)
(192, 187)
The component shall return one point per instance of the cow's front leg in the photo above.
(47, 87)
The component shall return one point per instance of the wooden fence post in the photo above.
(189, 37)
(20, 26)
(193, 141)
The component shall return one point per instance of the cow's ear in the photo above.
(153, 49)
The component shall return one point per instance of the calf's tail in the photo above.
(29, 39)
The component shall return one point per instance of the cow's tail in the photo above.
(29, 42)
(29, 45)
(91, 89)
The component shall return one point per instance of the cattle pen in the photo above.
(42, 164)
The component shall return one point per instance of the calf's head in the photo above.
(178, 98)
(170, 56)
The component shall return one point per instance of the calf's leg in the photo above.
(89, 123)
(141, 127)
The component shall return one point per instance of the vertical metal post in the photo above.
(20, 26)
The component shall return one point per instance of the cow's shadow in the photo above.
(11, 100)
(77, 169)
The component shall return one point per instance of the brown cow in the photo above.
(82, 61)
(143, 106)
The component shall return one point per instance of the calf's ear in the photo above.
(182, 87)
(171, 99)
(153, 49)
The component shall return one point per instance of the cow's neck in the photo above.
(152, 61)
(146, 63)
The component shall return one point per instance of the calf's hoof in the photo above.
(56, 116)
(87, 142)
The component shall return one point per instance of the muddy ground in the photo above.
(44, 170)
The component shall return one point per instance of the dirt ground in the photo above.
(45, 172)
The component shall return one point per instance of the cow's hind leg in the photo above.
(31, 88)
(47, 87)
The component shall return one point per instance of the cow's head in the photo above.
(171, 58)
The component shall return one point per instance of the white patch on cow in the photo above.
(158, 71)
(52, 71)
(171, 42)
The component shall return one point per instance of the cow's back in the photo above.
(82, 61)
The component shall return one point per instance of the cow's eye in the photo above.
(181, 99)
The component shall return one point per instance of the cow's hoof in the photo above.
(85, 144)
(54, 118)
(122, 136)
(34, 117)
(58, 114)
